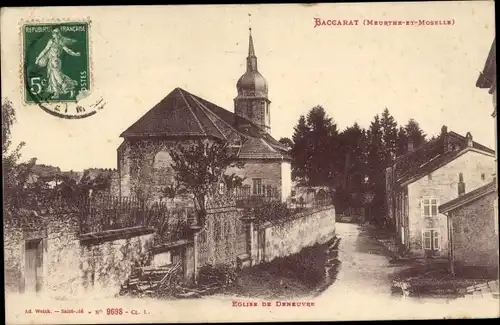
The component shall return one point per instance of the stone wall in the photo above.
(286, 180)
(268, 171)
(145, 162)
(60, 258)
(69, 265)
(222, 238)
(107, 263)
(291, 236)
(256, 109)
(474, 240)
(443, 184)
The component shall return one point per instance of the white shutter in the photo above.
(437, 240)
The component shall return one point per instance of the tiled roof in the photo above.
(468, 197)
(182, 114)
(176, 115)
(432, 156)
(258, 148)
(488, 75)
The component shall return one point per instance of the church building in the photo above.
(182, 117)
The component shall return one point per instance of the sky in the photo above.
(140, 54)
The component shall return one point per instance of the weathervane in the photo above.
(250, 22)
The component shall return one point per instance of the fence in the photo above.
(302, 205)
(107, 212)
(246, 198)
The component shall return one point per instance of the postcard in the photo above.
(271, 162)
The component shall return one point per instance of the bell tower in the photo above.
(252, 101)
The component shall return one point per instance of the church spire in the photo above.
(252, 102)
(251, 51)
(251, 59)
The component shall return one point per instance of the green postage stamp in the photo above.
(56, 62)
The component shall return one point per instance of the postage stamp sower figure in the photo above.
(56, 62)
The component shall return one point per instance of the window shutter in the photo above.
(437, 240)
(422, 207)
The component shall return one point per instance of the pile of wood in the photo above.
(152, 281)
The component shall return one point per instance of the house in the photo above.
(488, 77)
(182, 117)
(473, 216)
(423, 178)
(473, 230)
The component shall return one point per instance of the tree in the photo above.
(376, 167)
(199, 169)
(389, 136)
(323, 144)
(233, 181)
(352, 166)
(15, 174)
(352, 148)
(71, 188)
(286, 142)
(375, 155)
(401, 143)
(300, 150)
(415, 133)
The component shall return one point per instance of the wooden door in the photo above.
(33, 265)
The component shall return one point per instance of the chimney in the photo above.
(470, 143)
(446, 141)
(461, 185)
(410, 145)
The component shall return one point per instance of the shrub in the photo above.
(222, 274)
(272, 211)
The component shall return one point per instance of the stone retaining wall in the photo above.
(68, 264)
(291, 236)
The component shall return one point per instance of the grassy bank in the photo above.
(295, 276)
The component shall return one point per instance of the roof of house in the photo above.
(468, 197)
(182, 114)
(487, 76)
(433, 155)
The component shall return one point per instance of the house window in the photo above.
(483, 176)
(429, 177)
(221, 188)
(257, 186)
(430, 206)
(431, 239)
